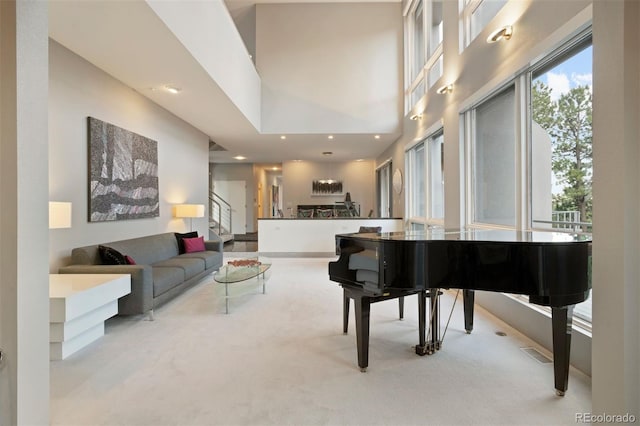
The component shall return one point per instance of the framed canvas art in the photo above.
(123, 174)
(322, 187)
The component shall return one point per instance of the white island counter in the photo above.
(308, 237)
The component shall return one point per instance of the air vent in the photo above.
(215, 147)
(537, 355)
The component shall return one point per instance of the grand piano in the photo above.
(551, 268)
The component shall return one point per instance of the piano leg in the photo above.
(434, 319)
(401, 307)
(468, 299)
(345, 312)
(363, 310)
(561, 318)
(422, 348)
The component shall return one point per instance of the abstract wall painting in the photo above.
(123, 174)
(326, 187)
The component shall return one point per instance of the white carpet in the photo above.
(281, 359)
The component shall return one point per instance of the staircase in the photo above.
(220, 217)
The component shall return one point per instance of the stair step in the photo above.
(226, 237)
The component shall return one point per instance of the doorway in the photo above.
(235, 193)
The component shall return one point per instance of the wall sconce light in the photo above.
(447, 88)
(59, 215)
(503, 33)
(188, 211)
(172, 89)
(415, 117)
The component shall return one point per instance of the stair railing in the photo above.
(219, 213)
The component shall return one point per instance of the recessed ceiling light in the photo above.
(503, 33)
(239, 157)
(283, 137)
(415, 117)
(330, 137)
(376, 137)
(275, 168)
(327, 153)
(172, 89)
(360, 159)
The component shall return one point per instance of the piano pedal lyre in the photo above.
(434, 342)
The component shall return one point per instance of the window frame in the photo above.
(384, 182)
(424, 218)
(424, 75)
(413, 215)
(523, 156)
(469, 120)
(466, 9)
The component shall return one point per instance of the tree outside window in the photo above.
(563, 108)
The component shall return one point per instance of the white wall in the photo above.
(616, 207)
(330, 67)
(218, 48)
(312, 237)
(78, 90)
(24, 295)
(244, 16)
(358, 178)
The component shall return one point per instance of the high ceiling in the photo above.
(129, 42)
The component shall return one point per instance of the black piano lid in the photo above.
(474, 234)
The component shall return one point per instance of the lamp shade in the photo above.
(59, 215)
(188, 210)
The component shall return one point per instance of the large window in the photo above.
(561, 156)
(418, 41)
(415, 166)
(436, 176)
(434, 62)
(424, 60)
(425, 165)
(561, 151)
(529, 154)
(493, 148)
(474, 16)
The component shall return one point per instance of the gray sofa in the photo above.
(160, 273)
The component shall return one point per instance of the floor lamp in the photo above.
(189, 211)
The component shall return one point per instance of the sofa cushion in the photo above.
(111, 256)
(150, 249)
(212, 259)
(166, 278)
(190, 266)
(193, 245)
(180, 239)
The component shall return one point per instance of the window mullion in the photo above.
(522, 207)
(427, 179)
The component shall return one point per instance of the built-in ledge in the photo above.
(308, 237)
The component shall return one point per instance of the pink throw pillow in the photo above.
(129, 260)
(192, 245)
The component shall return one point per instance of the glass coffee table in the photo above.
(250, 270)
